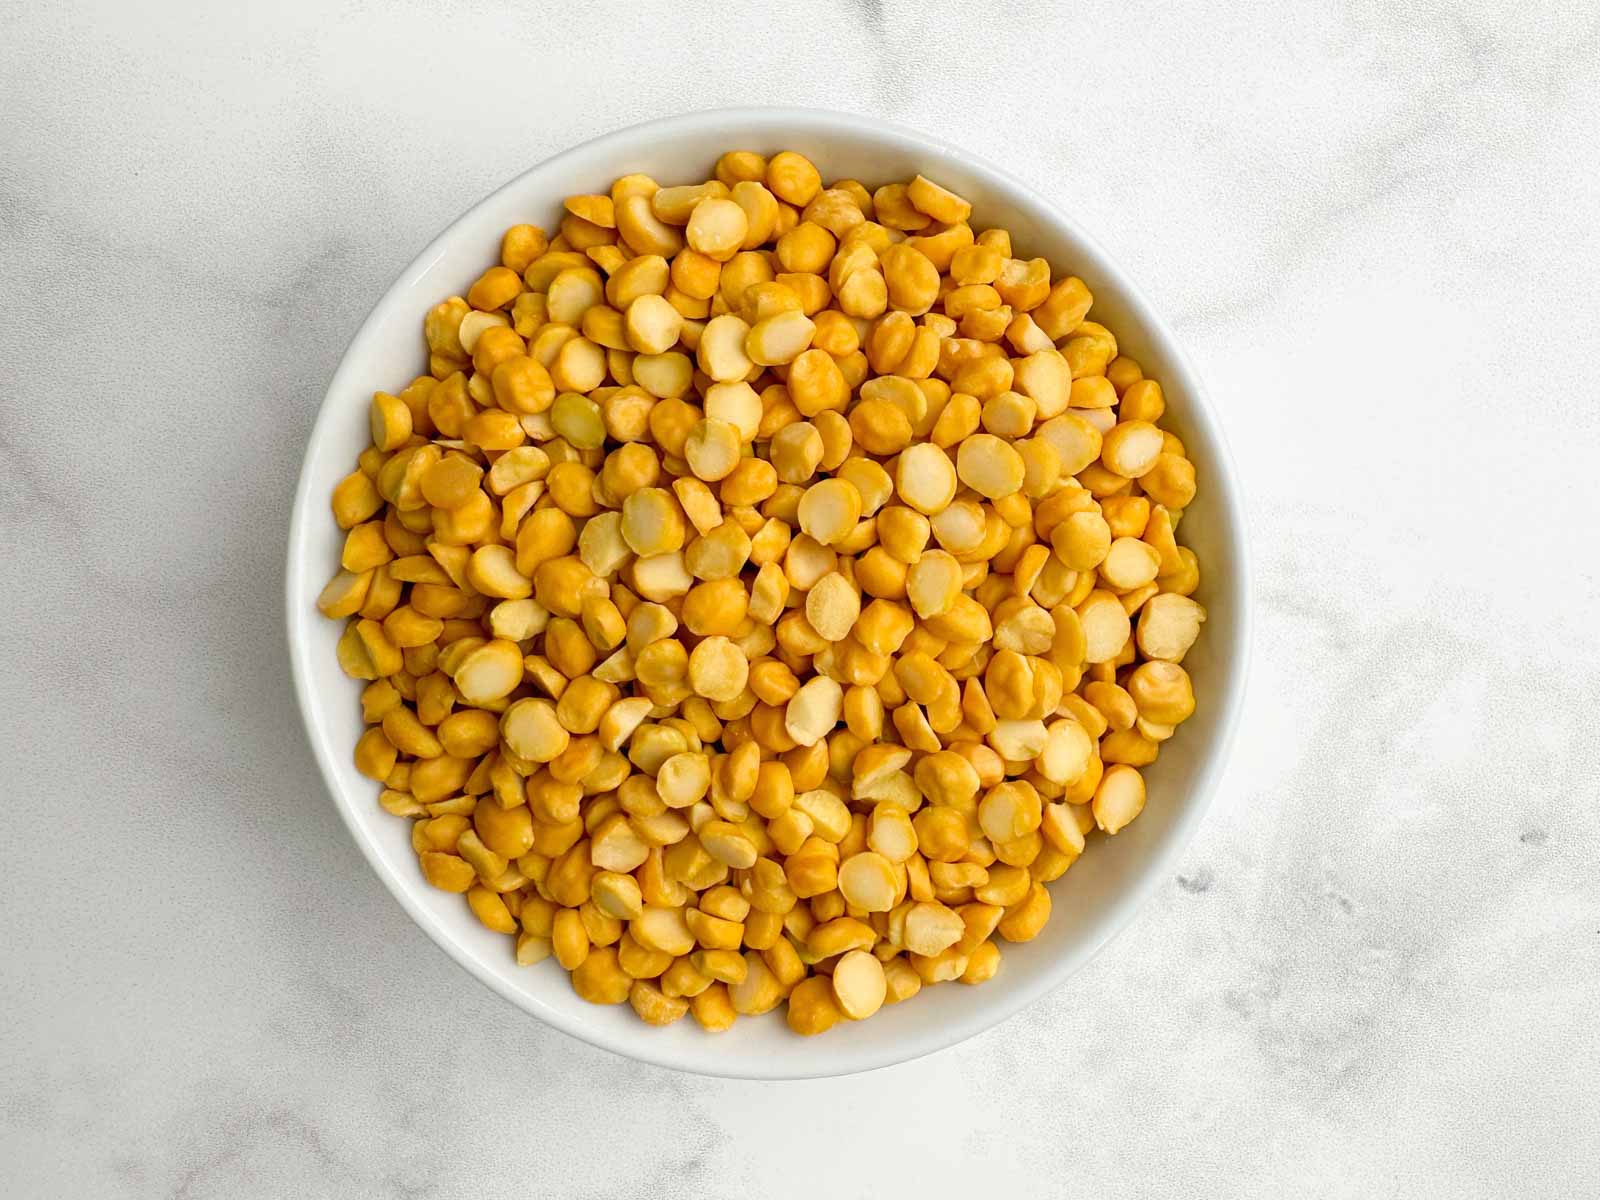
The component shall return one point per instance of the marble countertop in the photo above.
(1377, 970)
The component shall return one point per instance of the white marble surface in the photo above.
(1377, 971)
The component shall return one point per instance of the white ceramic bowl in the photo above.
(1103, 889)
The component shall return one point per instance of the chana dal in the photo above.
(766, 592)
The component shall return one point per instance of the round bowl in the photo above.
(1115, 875)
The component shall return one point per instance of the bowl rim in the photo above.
(1117, 912)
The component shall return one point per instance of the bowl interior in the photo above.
(1100, 891)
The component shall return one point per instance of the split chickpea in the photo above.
(766, 591)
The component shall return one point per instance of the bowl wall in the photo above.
(1099, 893)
